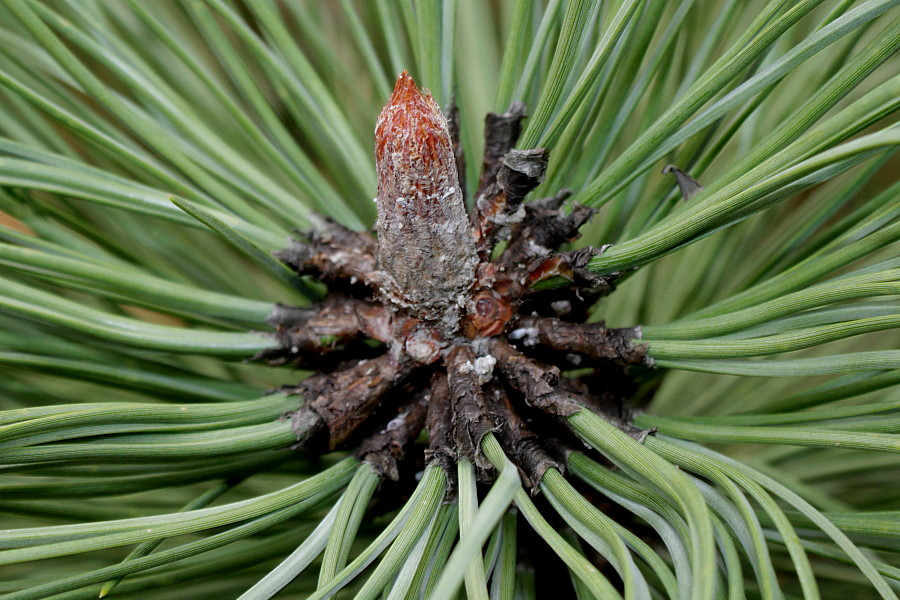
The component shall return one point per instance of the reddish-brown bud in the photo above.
(425, 246)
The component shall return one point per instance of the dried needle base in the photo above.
(457, 356)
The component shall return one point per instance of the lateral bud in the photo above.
(425, 246)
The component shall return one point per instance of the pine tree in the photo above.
(632, 335)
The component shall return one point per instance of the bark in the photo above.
(521, 445)
(591, 339)
(325, 330)
(501, 131)
(570, 265)
(345, 399)
(328, 331)
(472, 419)
(439, 424)
(536, 381)
(498, 206)
(543, 229)
(334, 254)
(385, 449)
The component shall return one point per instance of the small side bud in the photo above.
(688, 186)
(425, 245)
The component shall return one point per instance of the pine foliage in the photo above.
(155, 155)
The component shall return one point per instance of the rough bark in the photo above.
(543, 229)
(472, 419)
(439, 424)
(501, 131)
(385, 449)
(570, 265)
(522, 446)
(529, 377)
(499, 205)
(334, 254)
(324, 334)
(346, 398)
(591, 339)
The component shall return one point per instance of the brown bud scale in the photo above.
(425, 244)
(429, 328)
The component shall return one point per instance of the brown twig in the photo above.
(345, 399)
(501, 131)
(385, 449)
(522, 446)
(335, 253)
(472, 419)
(498, 207)
(543, 229)
(439, 424)
(591, 339)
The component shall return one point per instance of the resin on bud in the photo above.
(425, 246)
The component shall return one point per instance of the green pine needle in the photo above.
(155, 156)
